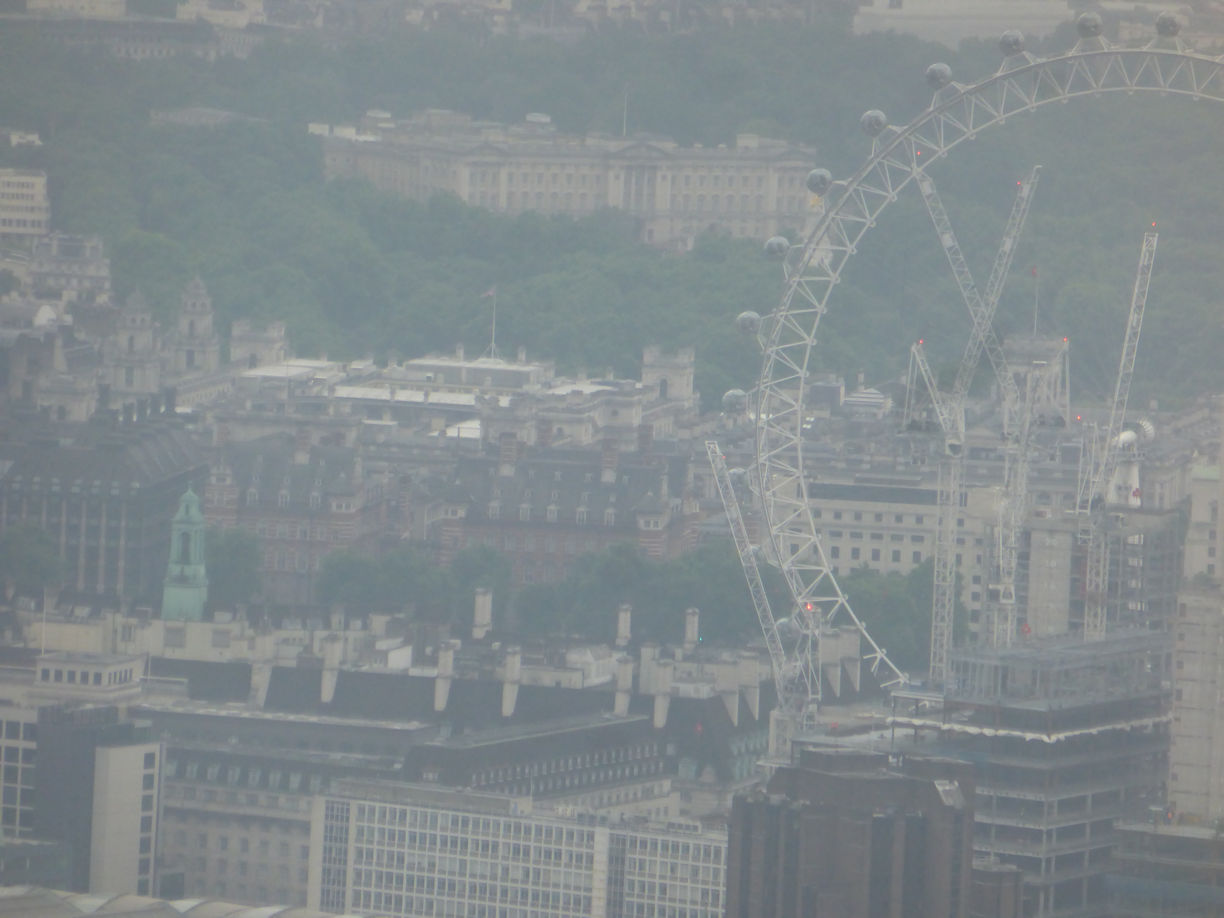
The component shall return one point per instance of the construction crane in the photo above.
(950, 408)
(794, 650)
(1009, 525)
(982, 336)
(1099, 461)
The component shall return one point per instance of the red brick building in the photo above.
(303, 501)
(543, 507)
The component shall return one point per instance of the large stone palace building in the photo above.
(752, 189)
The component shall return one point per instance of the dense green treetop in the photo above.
(29, 559)
(231, 560)
(354, 272)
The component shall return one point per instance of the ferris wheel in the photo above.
(813, 267)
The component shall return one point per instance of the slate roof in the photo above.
(268, 465)
(207, 681)
(566, 480)
(123, 455)
(35, 902)
(473, 703)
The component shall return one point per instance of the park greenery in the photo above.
(231, 559)
(29, 560)
(354, 272)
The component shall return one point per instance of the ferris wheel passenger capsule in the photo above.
(818, 181)
(777, 245)
(748, 322)
(735, 401)
(938, 75)
(1011, 42)
(1167, 25)
(873, 122)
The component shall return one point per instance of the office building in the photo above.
(1068, 737)
(405, 850)
(106, 494)
(1164, 869)
(848, 833)
(25, 210)
(71, 269)
(302, 501)
(97, 785)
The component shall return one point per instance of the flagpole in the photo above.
(1036, 296)
(492, 292)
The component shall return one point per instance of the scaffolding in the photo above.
(1067, 738)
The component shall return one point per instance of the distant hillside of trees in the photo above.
(354, 272)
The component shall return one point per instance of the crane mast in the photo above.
(796, 656)
(950, 412)
(747, 556)
(1102, 460)
(1013, 509)
(994, 287)
(982, 335)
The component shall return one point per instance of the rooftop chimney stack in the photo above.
(446, 672)
(645, 438)
(692, 623)
(301, 445)
(543, 437)
(508, 452)
(513, 675)
(624, 624)
(607, 462)
(624, 685)
(482, 617)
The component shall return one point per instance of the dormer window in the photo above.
(584, 515)
(610, 516)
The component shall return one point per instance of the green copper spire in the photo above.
(186, 588)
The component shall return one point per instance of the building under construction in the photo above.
(1163, 870)
(1068, 736)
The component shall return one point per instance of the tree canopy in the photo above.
(231, 559)
(354, 272)
(29, 559)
